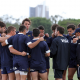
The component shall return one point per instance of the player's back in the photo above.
(19, 42)
(38, 52)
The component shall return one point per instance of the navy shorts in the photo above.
(47, 63)
(58, 73)
(21, 65)
(72, 63)
(6, 70)
(41, 68)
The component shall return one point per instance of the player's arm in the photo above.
(7, 41)
(4, 43)
(14, 51)
(53, 48)
(2, 39)
(32, 45)
(47, 54)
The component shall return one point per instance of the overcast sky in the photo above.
(20, 8)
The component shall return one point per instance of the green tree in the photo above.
(35, 22)
(65, 22)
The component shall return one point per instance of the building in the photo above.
(39, 11)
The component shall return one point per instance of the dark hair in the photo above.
(26, 19)
(54, 26)
(36, 32)
(71, 26)
(60, 29)
(22, 28)
(78, 25)
(2, 24)
(40, 27)
(10, 28)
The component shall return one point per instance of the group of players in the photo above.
(25, 54)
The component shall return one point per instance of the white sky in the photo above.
(20, 8)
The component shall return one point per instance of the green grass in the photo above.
(51, 74)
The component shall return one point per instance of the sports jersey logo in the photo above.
(28, 35)
(64, 40)
(44, 39)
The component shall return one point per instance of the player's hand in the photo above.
(29, 56)
(77, 64)
(24, 53)
(41, 39)
(53, 34)
(74, 40)
(47, 35)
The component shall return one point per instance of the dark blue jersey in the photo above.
(38, 52)
(73, 47)
(6, 57)
(47, 39)
(29, 34)
(19, 42)
(78, 52)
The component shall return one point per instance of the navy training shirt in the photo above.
(19, 42)
(60, 52)
(73, 47)
(38, 52)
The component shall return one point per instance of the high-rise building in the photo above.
(32, 12)
(39, 11)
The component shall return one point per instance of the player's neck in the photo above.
(27, 30)
(9, 34)
(60, 35)
(36, 37)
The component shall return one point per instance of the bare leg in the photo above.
(64, 75)
(11, 76)
(71, 72)
(4, 76)
(43, 76)
(34, 75)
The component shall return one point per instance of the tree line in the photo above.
(36, 21)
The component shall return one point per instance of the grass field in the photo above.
(51, 74)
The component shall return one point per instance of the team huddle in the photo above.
(25, 54)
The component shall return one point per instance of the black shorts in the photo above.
(72, 63)
(58, 73)
(78, 72)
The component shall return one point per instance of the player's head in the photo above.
(77, 32)
(36, 32)
(11, 30)
(59, 31)
(78, 26)
(71, 29)
(26, 22)
(2, 27)
(54, 27)
(41, 29)
(22, 29)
